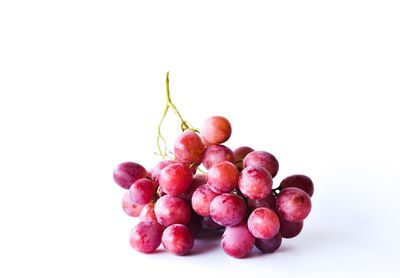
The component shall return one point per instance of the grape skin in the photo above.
(255, 182)
(216, 130)
(177, 239)
(267, 202)
(290, 229)
(188, 148)
(263, 223)
(198, 180)
(156, 171)
(148, 213)
(223, 177)
(175, 179)
(269, 245)
(237, 241)
(130, 208)
(202, 199)
(239, 154)
(171, 210)
(127, 173)
(217, 153)
(145, 237)
(300, 181)
(227, 209)
(293, 204)
(142, 191)
(209, 224)
(262, 159)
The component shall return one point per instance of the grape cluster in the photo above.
(235, 195)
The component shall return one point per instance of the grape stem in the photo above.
(184, 124)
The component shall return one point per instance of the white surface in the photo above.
(82, 88)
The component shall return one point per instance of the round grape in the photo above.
(202, 199)
(237, 241)
(175, 178)
(127, 173)
(293, 204)
(177, 239)
(215, 154)
(269, 245)
(300, 181)
(262, 159)
(188, 148)
(130, 208)
(142, 191)
(145, 237)
(198, 180)
(148, 213)
(227, 209)
(263, 223)
(216, 130)
(239, 154)
(156, 171)
(223, 177)
(255, 182)
(290, 229)
(171, 210)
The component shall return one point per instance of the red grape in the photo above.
(198, 180)
(156, 171)
(127, 173)
(239, 154)
(215, 154)
(263, 223)
(209, 224)
(290, 229)
(216, 130)
(201, 200)
(262, 159)
(148, 213)
(269, 245)
(194, 224)
(175, 178)
(293, 204)
(255, 182)
(177, 239)
(223, 177)
(142, 191)
(227, 209)
(267, 202)
(237, 241)
(172, 210)
(299, 181)
(188, 148)
(130, 208)
(146, 236)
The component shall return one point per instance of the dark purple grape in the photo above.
(269, 245)
(267, 202)
(290, 229)
(299, 181)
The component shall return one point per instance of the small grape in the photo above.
(290, 229)
(255, 182)
(201, 200)
(142, 191)
(227, 209)
(293, 204)
(237, 241)
(188, 148)
(130, 208)
(300, 181)
(171, 210)
(148, 213)
(263, 223)
(262, 159)
(215, 154)
(267, 202)
(239, 154)
(223, 177)
(269, 245)
(145, 237)
(156, 171)
(177, 239)
(127, 173)
(198, 180)
(216, 130)
(175, 178)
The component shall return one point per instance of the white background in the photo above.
(82, 89)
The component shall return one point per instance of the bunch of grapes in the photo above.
(235, 195)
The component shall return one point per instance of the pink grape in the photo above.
(127, 173)
(209, 224)
(267, 202)
(255, 182)
(239, 154)
(237, 241)
(290, 229)
(171, 210)
(177, 239)
(300, 181)
(142, 191)
(148, 213)
(293, 204)
(198, 180)
(215, 154)
(262, 159)
(205, 142)
(188, 148)
(227, 209)
(130, 208)
(145, 237)
(223, 177)
(156, 171)
(269, 245)
(175, 178)
(263, 223)
(201, 200)
(194, 224)
(216, 130)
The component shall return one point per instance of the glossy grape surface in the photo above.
(237, 241)
(125, 174)
(171, 210)
(227, 209)
(262, 159)
(148, 213)
(142, 191)
(269, 245)
(223, 177)
(255, 182)
(216, 130)
(263, 223)
(188, 148)
(300, 181)
(293, 204)
(201, 200)
(217, 153)
(145, 237)
(175, 179)
(130, 208)
(177, 239)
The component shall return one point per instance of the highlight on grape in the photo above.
(233, 194)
